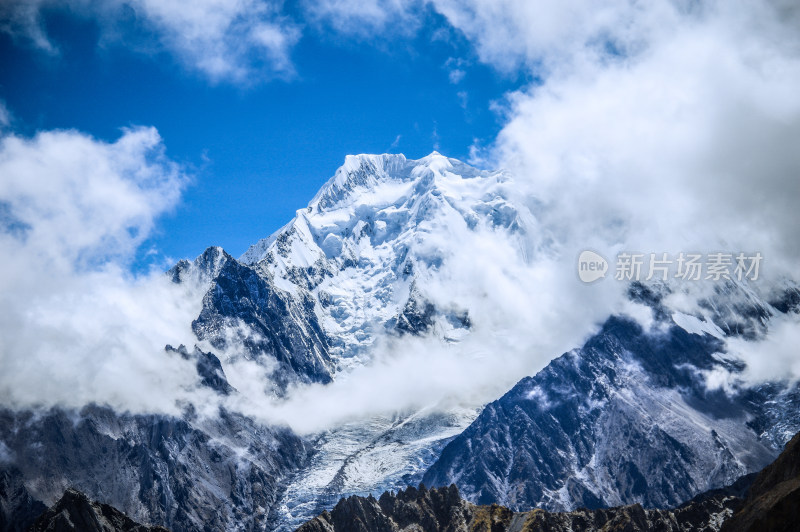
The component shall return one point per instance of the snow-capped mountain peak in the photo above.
(364, 245)
(362, 174)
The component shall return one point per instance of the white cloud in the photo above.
(456, 75)
(774, 357)
(655, 127)
(76, 326)
(223, 39)
(21, 19)
(514, 33)
(687, 142)
(456, 69)
(366, 18)
(5, 115)
(241, 42)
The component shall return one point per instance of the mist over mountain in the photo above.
(587, 316)
(371, 344)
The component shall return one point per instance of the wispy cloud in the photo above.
(5, 115)
(366, 18)
(456, 69)
(241, 42)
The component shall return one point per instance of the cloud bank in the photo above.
(679, 133)
(77, 327)
(656, 127)
(663, 126)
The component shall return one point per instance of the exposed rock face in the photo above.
(18, 509)
(185, 474)
(74, 512)
(429, 510)
(245, 306)
(773, 501)
(443, 510)
(626, 419)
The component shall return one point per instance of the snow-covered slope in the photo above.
(366, 243)
(368, 457)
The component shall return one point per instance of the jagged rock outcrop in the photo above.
(429, 510)
(75, 512)
(18, 508)
(443, 510)
(243, 306)
(209, 368)
(773, 501)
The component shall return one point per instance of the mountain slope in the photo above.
(185, 474)
(244, 307)
(369, 241)
(627, 418)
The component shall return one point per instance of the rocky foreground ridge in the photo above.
(767, 501)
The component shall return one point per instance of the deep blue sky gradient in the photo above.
(261, 152)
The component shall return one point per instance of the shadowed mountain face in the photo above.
(185, 474)
(773, 501)
(18, 508)
(74, 512)
(244, 308)
(628, 418)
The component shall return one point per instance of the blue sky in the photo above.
(257, 149)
